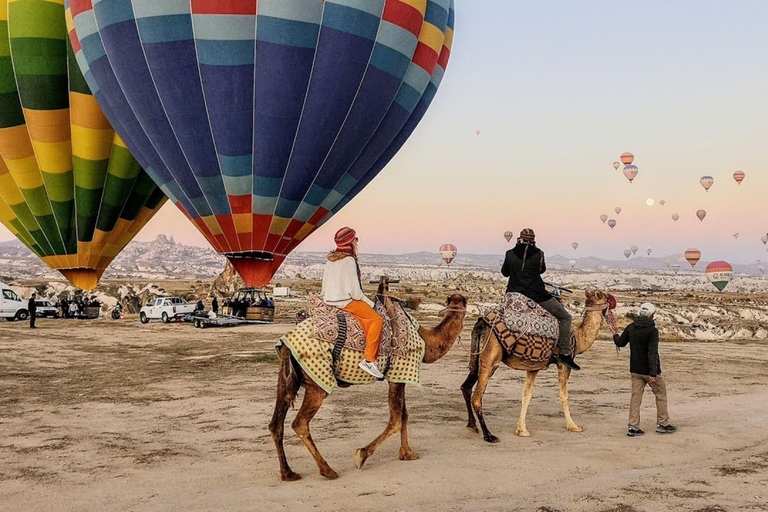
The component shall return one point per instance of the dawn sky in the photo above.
(559, 90)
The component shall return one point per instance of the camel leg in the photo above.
(489, 362)
(466, 390)
(287, 387)
(405, 451)
(396, 405)
(530, 378)
(563, 373)
(313, 399)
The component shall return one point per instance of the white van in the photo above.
(12, 307)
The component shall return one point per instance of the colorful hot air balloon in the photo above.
(572, 263)
(69, 188)
(719, 274)
(603, 218)
(701, 214)
(627, 158)
(448, 252)
(693, 256)
(508, 235)
(630, 171)
(262, 124)
(675, 217)
(662, 202)
(617, 210)
(575, 245)
(611, 223)
(707, 182)
(627, 253)
(648, 251)
(634, 249)
(616, 165)
(739, 176)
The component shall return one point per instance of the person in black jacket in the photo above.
(645, 369)
(215, 305)
(523, 265)
(32, 309)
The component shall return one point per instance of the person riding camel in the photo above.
(342, 288)
(523, 265)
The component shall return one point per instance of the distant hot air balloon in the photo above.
(616, 165)
(736, 234)
(764, 239)
(630, 171)
(69, 188)
(634, 249)
(617, 210)
(627, 158)
(603, 218)
(707, 182)
(693, 256)
(662, 202)
(675, 217)
(761, 269)
(627, 253)
(572, 263)
(611, 223)
(508, 235)
(261, 124)
(575, 245)
(701, 214)
(675, 268)
(719, 274)
(448, 252)
(668, 262)
(477, 132)
(739, 176)
(648, 251)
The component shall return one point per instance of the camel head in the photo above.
(456, 303)
(598, 300)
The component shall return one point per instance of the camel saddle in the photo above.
(525, 329)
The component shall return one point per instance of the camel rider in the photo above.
(342, 287)
(523, 265)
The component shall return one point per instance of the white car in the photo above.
(12, 307)
(166, 309)
(46, 309)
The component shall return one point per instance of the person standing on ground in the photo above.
(32, 310)
(645, 369)
(215, 305)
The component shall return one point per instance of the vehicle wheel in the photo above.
(166, 320)
(143, 318)
(22, 315)
(115, 314)
(197, 324)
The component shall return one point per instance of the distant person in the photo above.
(215, 306)
(523, 265)
(200, 306)
(32, 310)
(73, 309)
(65, 308)
(645, 369)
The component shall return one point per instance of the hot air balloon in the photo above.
(611, 223)
(719, 274)
(627, 253)
(701, 214)
(261, 125)
(616, 165)
(603, 218)
(707, 182)
(693, 256)
(627, 158)
(448, 252)
(477, 132)
(69, 188)
(630, 171)
(662, 202)
(675, 217)
(572, 263)
(764, 239)
(575, 245)
(675, 268)
(739, 176)
(617, 210)
(648, 251)
(634, 249)
(508, 235)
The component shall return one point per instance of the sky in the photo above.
(559, 90)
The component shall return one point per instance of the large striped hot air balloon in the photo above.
(261, 124)
(693, 256)
(739, 176)
(448, 252)
(719, 274)
(69, 188)
(627, 158)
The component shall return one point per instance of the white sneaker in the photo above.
(371, 368)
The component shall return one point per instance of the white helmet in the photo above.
(647, 309)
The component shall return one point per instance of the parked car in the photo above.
(166, 309)
(46, 309)
(12, 306)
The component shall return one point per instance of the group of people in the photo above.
(70, 308)
(523, 266)
(240, 306)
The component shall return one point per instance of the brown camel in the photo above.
(291, 377)
(488, 354)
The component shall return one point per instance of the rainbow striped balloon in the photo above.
(739, 176)
(693, 256)
(719, 274)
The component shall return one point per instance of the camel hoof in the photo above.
(409, 455)
(490, 438)
(522, 433)
(575, 428)
(360, 458)
(473, 428)
(329, 474)
(290, 477)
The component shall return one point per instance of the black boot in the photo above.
(568, 361)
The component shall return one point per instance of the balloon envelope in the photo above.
(693, 256)
(617, 210)
(634, 249)
(648, 251)
(707, 182)
(603, 218)
(676, 268)
(627, 253)
(701, 214)
(612, 223)
(627, 158)
(630, 171)
(575, 245)
(739, 176)
(448, 252)
(509, 235)
(662, 202)
(262, 124)
(719, 274)
(69, 188)
(736, 234)
(572, 263)
(616, 165)
(675, 217)
(477, 132)
(764, 239)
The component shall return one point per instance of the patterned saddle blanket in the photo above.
(525, 328)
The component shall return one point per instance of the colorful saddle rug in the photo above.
(525, 329)
(335, 358)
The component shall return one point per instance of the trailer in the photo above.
(205, 321)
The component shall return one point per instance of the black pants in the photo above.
(32, 317)
(557, 310)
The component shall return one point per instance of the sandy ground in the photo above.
(118, 416)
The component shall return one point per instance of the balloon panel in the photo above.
(260, 126)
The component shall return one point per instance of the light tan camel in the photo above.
(488, 354)
(438, 340)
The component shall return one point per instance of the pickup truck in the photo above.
(46, 309)
(12, 307)
(166, 309)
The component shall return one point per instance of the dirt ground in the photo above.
(117, 416)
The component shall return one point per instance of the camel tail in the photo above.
(474, 352)
(288, 380)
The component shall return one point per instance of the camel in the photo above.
(487, 354)
(291, 377)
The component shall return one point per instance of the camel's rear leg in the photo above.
(489, 362)
(478, 333)
(396, 407)
(530, 378)
(287, 386)
(563, 373)
(313, 399)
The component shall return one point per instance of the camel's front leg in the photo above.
(405, 451)
(396, 404)
(313, 399)
(563, 373)
(530, 378)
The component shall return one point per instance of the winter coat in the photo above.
(525, 277)
(643, 339)
(341, 281)
(32, 306)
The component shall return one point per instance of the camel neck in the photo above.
(440, 339)
(587, 332)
